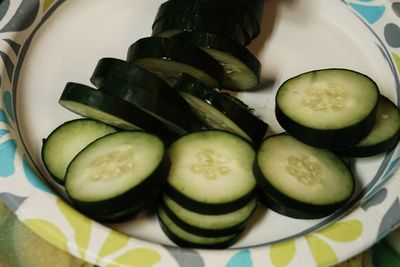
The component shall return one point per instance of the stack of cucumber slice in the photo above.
(340, 110)
(328, 112)
(109, 175)
(219, 28)
(209, 195)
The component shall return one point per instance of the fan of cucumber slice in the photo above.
(160, 134)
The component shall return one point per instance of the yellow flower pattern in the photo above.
(46, 229)
(81, 225)
(281, 254)
(141, 257)
(321, 251)
(114, 242)
(47, 4)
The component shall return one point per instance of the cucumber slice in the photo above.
(330, 108)
(205, 224)
(172, 24)
(116, 174)
(299, 180)
(220, 110)
(117, 69)
(152, 101)
(63, 143)
(186, 239)
(241, 67)
(99, 105)
(211, 172)
(221, 11)
(125, 71)
(168, 59)
(385, 134)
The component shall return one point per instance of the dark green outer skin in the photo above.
(274, 199)
(112, 68)
(384, 146)
(207, 208)
(107, 103)
(202, 231)
(332, 139)
(254, 127)
(221, 11)
(212, 41)
(56, 179)
(154, 101)
(187, 244)
(231, 8)
(368, 151)
(117, 69)
(337, 139)
(168, 49)
(188, 22)
(128, 203)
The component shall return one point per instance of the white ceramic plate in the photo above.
(46, 43)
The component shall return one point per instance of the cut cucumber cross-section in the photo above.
(220, 110)
(242, 68)
(67, 140)
(184, 238)
(385, 134)
(168, 59)
(211, 172)
(328, 108)
(205, 224)
(116, 173)
(299, 180)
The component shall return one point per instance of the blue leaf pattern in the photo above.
(391, 166)
(370, 13)
(241, 259)
(3, 117)
(32, 177)
(7, 156)
(7, 99)
(3, 132)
